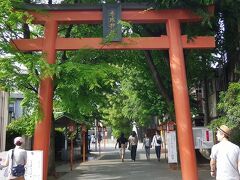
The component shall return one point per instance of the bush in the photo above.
(24, 126)
(229, 111)
(229, 107)
(10, 135)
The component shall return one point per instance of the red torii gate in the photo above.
(173, 41)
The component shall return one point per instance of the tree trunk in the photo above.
(157, 79)
(205, 101)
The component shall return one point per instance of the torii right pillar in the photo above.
(181, 102)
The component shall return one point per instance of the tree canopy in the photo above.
(118, 87)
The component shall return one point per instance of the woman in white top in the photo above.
(16, 156)
(156, 142)
(93, 139)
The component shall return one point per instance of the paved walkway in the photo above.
(109, 167)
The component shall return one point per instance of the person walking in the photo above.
(89, 142)
(16, 157)
(93, 139)
(122, 144)
(147, 145)
(133, 142)
(156, 142)
(225, 157)
(99, 139)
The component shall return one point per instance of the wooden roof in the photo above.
(65, 121)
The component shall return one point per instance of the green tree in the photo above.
(67, 60)
(119, 86)
(229, 107)
(229, 112)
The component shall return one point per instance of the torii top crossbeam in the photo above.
(173, 41)
(81, 15)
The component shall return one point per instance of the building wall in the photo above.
(3, 118)
(15, 105)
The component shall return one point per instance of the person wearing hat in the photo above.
(16, 156)
(225, 157)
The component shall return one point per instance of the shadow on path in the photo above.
(109, 167)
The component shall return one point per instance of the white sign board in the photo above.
(172, 147)
(203, 138)
(34, 166)
(4, 170)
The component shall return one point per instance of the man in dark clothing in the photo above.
(122, 143)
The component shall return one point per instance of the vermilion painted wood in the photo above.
(174, 42)
(43, 127)
(181, 102)
(134, 16)
(141, 43)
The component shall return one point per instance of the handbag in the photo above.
(159, 141)
(130, 147)
(18, 170)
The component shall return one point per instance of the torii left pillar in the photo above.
(43, 128)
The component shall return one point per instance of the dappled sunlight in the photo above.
(178, 72)
(108, 166)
